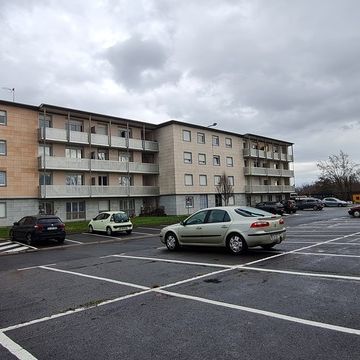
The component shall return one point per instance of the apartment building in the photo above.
(75, 164)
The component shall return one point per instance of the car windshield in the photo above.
(250, 212)
(120, 217)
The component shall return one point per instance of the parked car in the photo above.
(289, 206)
(38, 227)
(111, 222)
(271, 207)
(234, 227)
(332, 201)
(355, 211)
(309, 203)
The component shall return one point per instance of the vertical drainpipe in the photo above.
(128, 164)
(90, 162)
(44, 152)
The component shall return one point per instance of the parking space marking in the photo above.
(264, 313)
(148, 228)
(327, 254)
(35, 267)
(73, 241)
(18, 249)
(171, 261)
(15, 348)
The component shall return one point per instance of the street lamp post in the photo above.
(12, 90)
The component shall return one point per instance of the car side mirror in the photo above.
(16, 223)
(182, 223)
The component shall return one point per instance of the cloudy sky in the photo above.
(288, 69)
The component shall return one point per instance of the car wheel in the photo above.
(108, 231)
(171, 242)
(315, 208)
(268, 246)
(11, 235)
(236, 244)
(356, 213)
(91, 229)
(61, 240)
(128, 231)
(28, 239)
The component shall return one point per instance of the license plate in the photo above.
(275, 237)
(52, 228)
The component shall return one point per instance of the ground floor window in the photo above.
(203, 201)
(128, 205)
(218, 200)
(46, 208)
(75, 210)
(2, 210)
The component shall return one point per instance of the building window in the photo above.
(45, 179)
(189, 201)
(215, 140)
(73, 153)
(102, 180)
(203, 201)
(202, 180)
(124, 133)
(2, 178)
(101, 154)
(217, 179)
(125, 156)
(188, 179)
(3, 117)
(230, 180)
(2, 210)
(74, 125)
(125, 180)
(200, 138)
(104, 205)
(44, 149)
(75, 210)
(202, 159)
(229, 161)
(101, 129)
(45, 121)
(128, 206)
(46, 207)
(186, 135)
(231, 200)
(2, 147)
(216, 160)
(228, 142)
(74, 179)
(187, 157)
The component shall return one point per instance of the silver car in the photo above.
(332, 201)
(234, 227)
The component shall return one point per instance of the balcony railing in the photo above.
(87, 191)
(267, 155)
(77, 137)
(259, 171)
(63, 163)
(269, 189)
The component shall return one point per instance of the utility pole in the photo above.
(12, 90)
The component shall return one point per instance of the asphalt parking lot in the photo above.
(128, 297)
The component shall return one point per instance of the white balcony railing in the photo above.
(87, 191)
(259, 171)
(269, 189)
(267, 155)
(63, 163)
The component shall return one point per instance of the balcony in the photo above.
(259, 171)
(87, 191)
(261, 154)
(77, 137)
(252, 189)
(63, 163)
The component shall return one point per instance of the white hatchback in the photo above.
(111, 222)
(236, 227)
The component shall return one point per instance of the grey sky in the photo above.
(287, 69)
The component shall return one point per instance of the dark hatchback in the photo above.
(271, 207)
(309, 203)
(38, 227)
(289, 206)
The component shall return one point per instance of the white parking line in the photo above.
(73, 241)
(15, 348)
(327, 254)
(18, 249)
(8, 246)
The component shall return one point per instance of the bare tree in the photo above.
(224, 189)
(341, 171)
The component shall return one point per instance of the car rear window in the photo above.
(120, 217)
(249, 213)
(49, 221)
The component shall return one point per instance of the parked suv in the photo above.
(309, 203)
(38, 227)
(289, 206)
(271, 207)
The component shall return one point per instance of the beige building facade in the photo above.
(75, 164)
